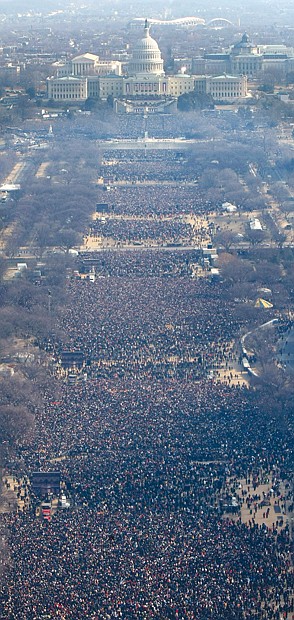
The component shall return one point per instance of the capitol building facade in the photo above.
(145, 81)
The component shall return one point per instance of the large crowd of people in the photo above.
(147, 439)
(134, 566)
(149, 325)
(147, 230)
(162, 263)
(144, 200)
(145, 463)
(157, 125)
(145, 165)
(145, 460)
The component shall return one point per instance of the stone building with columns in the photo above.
(86, 76)
(245, 58)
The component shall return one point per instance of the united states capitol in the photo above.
(144, 81)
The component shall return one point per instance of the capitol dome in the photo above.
(146, 57)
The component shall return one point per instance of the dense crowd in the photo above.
(145, 200)
(133, 126)
(147, 440)
(138, 230)
(149, 325)
(145, 538)
(134, 566)
(162, 263)
(147, 166)
(146, 461)
(157, 125)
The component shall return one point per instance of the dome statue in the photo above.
(243, 46)
(146, 57)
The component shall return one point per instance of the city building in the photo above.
(244, 58)
(87, 64)
(78, 79)
(227, 87)
(144, 82)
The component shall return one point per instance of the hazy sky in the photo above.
(271, 12)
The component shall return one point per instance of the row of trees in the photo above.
(49, 212)
(56, 210)
(27, 318)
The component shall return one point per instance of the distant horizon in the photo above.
(252, 15)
